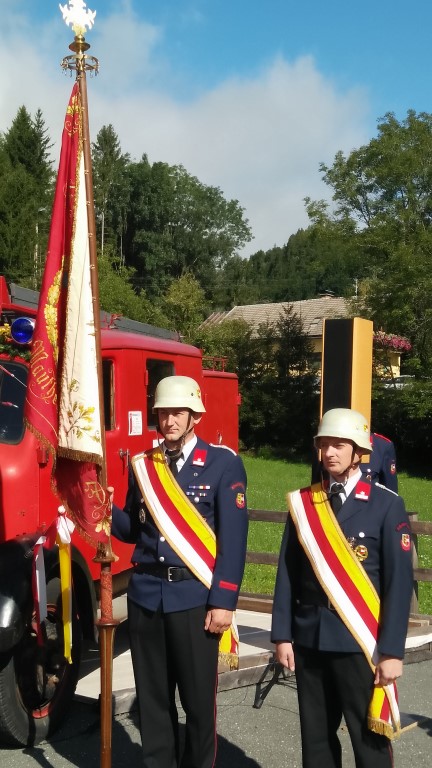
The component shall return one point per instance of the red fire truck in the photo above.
(36, 684)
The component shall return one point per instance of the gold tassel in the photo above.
(383, 729)
(230, 660)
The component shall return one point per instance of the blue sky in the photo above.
(249, 95)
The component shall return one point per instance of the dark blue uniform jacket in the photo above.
(222, 502)
(381, 464)
(381, 525)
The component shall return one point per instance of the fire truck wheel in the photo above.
(37, 684)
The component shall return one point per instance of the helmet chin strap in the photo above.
(351, 465)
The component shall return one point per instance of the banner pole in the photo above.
(82, 62)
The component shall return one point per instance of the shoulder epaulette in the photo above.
(380, 485)
(383, 437)
(218, 445)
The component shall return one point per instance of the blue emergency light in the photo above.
(22, 329)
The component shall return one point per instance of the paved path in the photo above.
(268, 737)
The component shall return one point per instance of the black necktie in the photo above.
(173, 466)
(172, 462)
(335, 497)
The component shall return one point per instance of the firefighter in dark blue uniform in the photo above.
(334, 678)
(175, 622)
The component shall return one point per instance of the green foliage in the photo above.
(25, 197)
(277, 386)
(279, 405)
(111, 188)
(229, 340)
(184, 305)
(27, 145)
(312, 262)
(17, 227)
(117, 294)
(383, 210)
(405, 415)
(176, 225)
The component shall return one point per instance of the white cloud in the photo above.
(259, 139)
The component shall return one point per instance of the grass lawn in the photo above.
(269, 482)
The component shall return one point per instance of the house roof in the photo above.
(311, 312)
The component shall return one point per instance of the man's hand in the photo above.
(285, 655)
(218, 620)
(388, 670)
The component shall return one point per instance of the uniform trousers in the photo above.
(331, 685)
(169, 650)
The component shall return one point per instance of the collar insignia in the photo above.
(199, 457)
(362, 490)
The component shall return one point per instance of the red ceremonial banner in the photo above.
(62, 403)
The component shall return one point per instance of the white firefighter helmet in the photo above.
(346, 424)
(178, 392)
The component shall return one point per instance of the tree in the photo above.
(177, 225)
(232, 284)
(26, 189)
(279, 406)
(313, 261)
(229, 341)
(111, 187)
(17, 228)
(184, 305)
(27, 144)
(274, 366)
(118, 296)
(382, 197)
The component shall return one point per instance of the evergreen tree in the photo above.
(26, 178)
(111, 188)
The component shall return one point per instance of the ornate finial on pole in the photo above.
(79, 18)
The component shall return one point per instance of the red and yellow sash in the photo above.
(185, 530)
(349, 588)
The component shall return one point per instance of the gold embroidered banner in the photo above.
(62, 403)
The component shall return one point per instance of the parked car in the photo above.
(398, 382)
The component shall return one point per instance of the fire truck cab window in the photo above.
(108, 394)
(13, 383)
(156, 370)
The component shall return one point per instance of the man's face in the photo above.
(173, 423)
(337, 456)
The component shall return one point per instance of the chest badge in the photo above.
(142, 515)
(361, 552)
